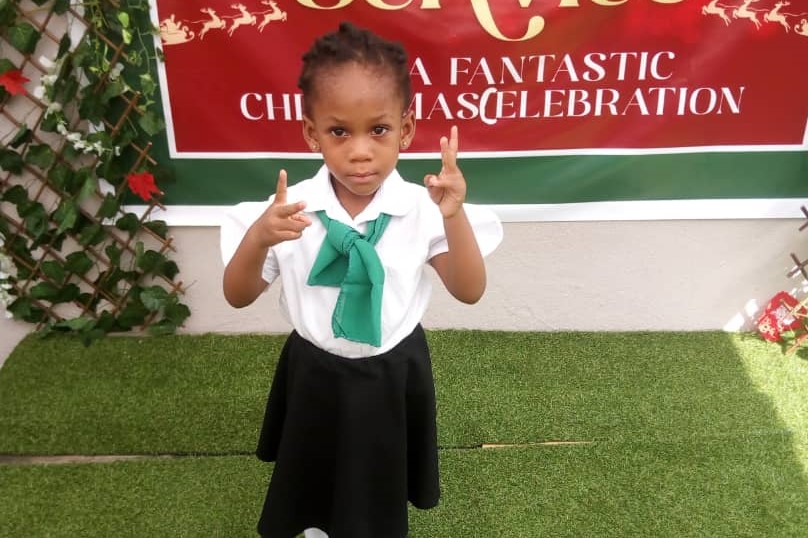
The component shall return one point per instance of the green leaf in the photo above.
(60, 176)
(92, 234)
(60, 7)
(128, 223)
(150, 261)
(23, 136)
(65, 89)
(159, 227)
(7, 17)
(36, 220)
(147, 84)
(50, 122)
(169, 270)
(106, 322)
(68, 292)
(16, 195)
(66, 215)
(78, 263)
(10, 161)
(82, 57)
(114, 88)
(40, 155)
(177, 313)
(23, 37)
(5, 63)
(92, 107)
(109, 207)
(76, 324)
(54, 270)
(23, 308)
(87, 187)
(132, 315)
(154, 298)
(44, 291)
(162, 328)
(114, 252)
(151, 123)
(123, 17)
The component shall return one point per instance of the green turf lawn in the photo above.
(686, 434)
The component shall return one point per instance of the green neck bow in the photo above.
(348, 260)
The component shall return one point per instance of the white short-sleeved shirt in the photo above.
(413, 236)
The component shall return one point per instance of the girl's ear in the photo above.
(310, 134)
(407, 128)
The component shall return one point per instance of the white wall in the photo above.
(607, 276)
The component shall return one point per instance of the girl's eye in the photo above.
(339, 131)
(379, 130)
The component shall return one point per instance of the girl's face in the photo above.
(355, 119)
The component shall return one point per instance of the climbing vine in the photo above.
(79, 111)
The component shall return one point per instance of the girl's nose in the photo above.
(360, 149)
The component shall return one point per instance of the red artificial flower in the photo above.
(13, 80)
(782, 313)
(143, 185)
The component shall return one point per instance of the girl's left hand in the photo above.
(448, 188)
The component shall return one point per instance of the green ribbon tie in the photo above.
(348, 260)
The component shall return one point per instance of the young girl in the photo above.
(350, 418)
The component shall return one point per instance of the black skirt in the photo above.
(352, 440)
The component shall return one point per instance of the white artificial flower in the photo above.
(53, 107)
(39, 92)
(6, 268)
(115, 72)
(46, 62)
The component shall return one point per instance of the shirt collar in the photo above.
(392, 198)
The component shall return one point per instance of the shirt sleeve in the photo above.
(485, 224)
(234, 226)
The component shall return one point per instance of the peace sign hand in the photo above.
(448, 188)
(281, 221)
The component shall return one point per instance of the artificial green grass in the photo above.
(688, 434)
(754, 488)
(206, 394)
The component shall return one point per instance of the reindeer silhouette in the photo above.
(743, 12)
(214, 23)
(775, 16)
(802, 27)
(246, 18)
(713, 9)
(274, 14)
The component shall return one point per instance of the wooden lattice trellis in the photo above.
(800, 310)
(84, 262)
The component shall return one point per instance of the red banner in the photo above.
(519, 77)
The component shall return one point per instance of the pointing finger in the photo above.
(280, 188)
(448, 150)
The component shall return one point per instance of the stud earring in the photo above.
(404, 144)
(315, 147)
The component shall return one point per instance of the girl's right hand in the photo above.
(281, 221)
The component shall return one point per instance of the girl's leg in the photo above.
(314, 533)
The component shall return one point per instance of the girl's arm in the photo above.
(243, 282)
(461, 268)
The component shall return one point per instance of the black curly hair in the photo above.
(353, 44)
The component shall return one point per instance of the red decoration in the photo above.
(783, 313)
(13, 81)
(143, 185)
